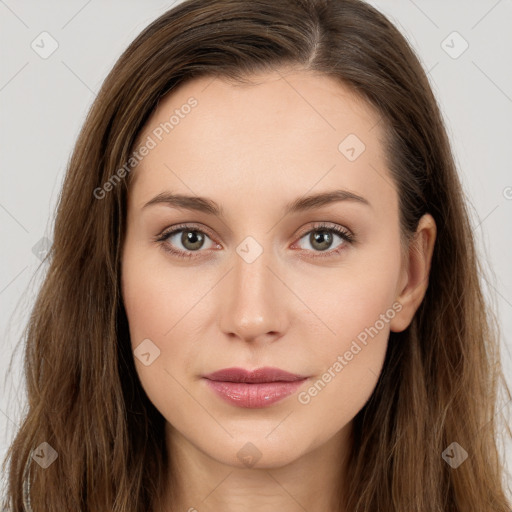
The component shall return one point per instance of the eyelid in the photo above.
(191, 226)
(319, 225)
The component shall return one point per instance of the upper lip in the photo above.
(266, 374)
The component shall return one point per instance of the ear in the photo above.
(415, 273)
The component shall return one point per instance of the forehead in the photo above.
(286, 130)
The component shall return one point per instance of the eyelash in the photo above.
(338, 230)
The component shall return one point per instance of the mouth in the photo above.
(253, 389)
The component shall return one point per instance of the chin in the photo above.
(256, 452)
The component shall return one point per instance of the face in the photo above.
(259, 274)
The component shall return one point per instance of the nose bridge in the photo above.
(255, 304)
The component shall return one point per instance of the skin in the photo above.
(252, 149)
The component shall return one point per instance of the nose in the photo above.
(254, 301)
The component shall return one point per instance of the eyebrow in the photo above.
(301, 204)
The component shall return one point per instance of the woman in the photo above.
(263, 291)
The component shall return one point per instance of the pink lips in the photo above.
(253, 389)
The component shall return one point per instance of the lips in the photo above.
(253, 389)
(267, 374)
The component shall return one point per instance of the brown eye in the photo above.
(321, 240)
(192, 240)
(185, 240)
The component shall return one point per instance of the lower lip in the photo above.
(254, 395)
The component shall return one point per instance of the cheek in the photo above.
(357, 307)
(158, 306)
(358, 300)
(155, 299)
(361, 304)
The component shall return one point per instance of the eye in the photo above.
(190, 238)
(321, 239)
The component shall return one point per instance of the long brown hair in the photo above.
(441, 376)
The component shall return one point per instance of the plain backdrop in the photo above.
(465, 46)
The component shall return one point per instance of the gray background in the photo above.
(43, 103)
